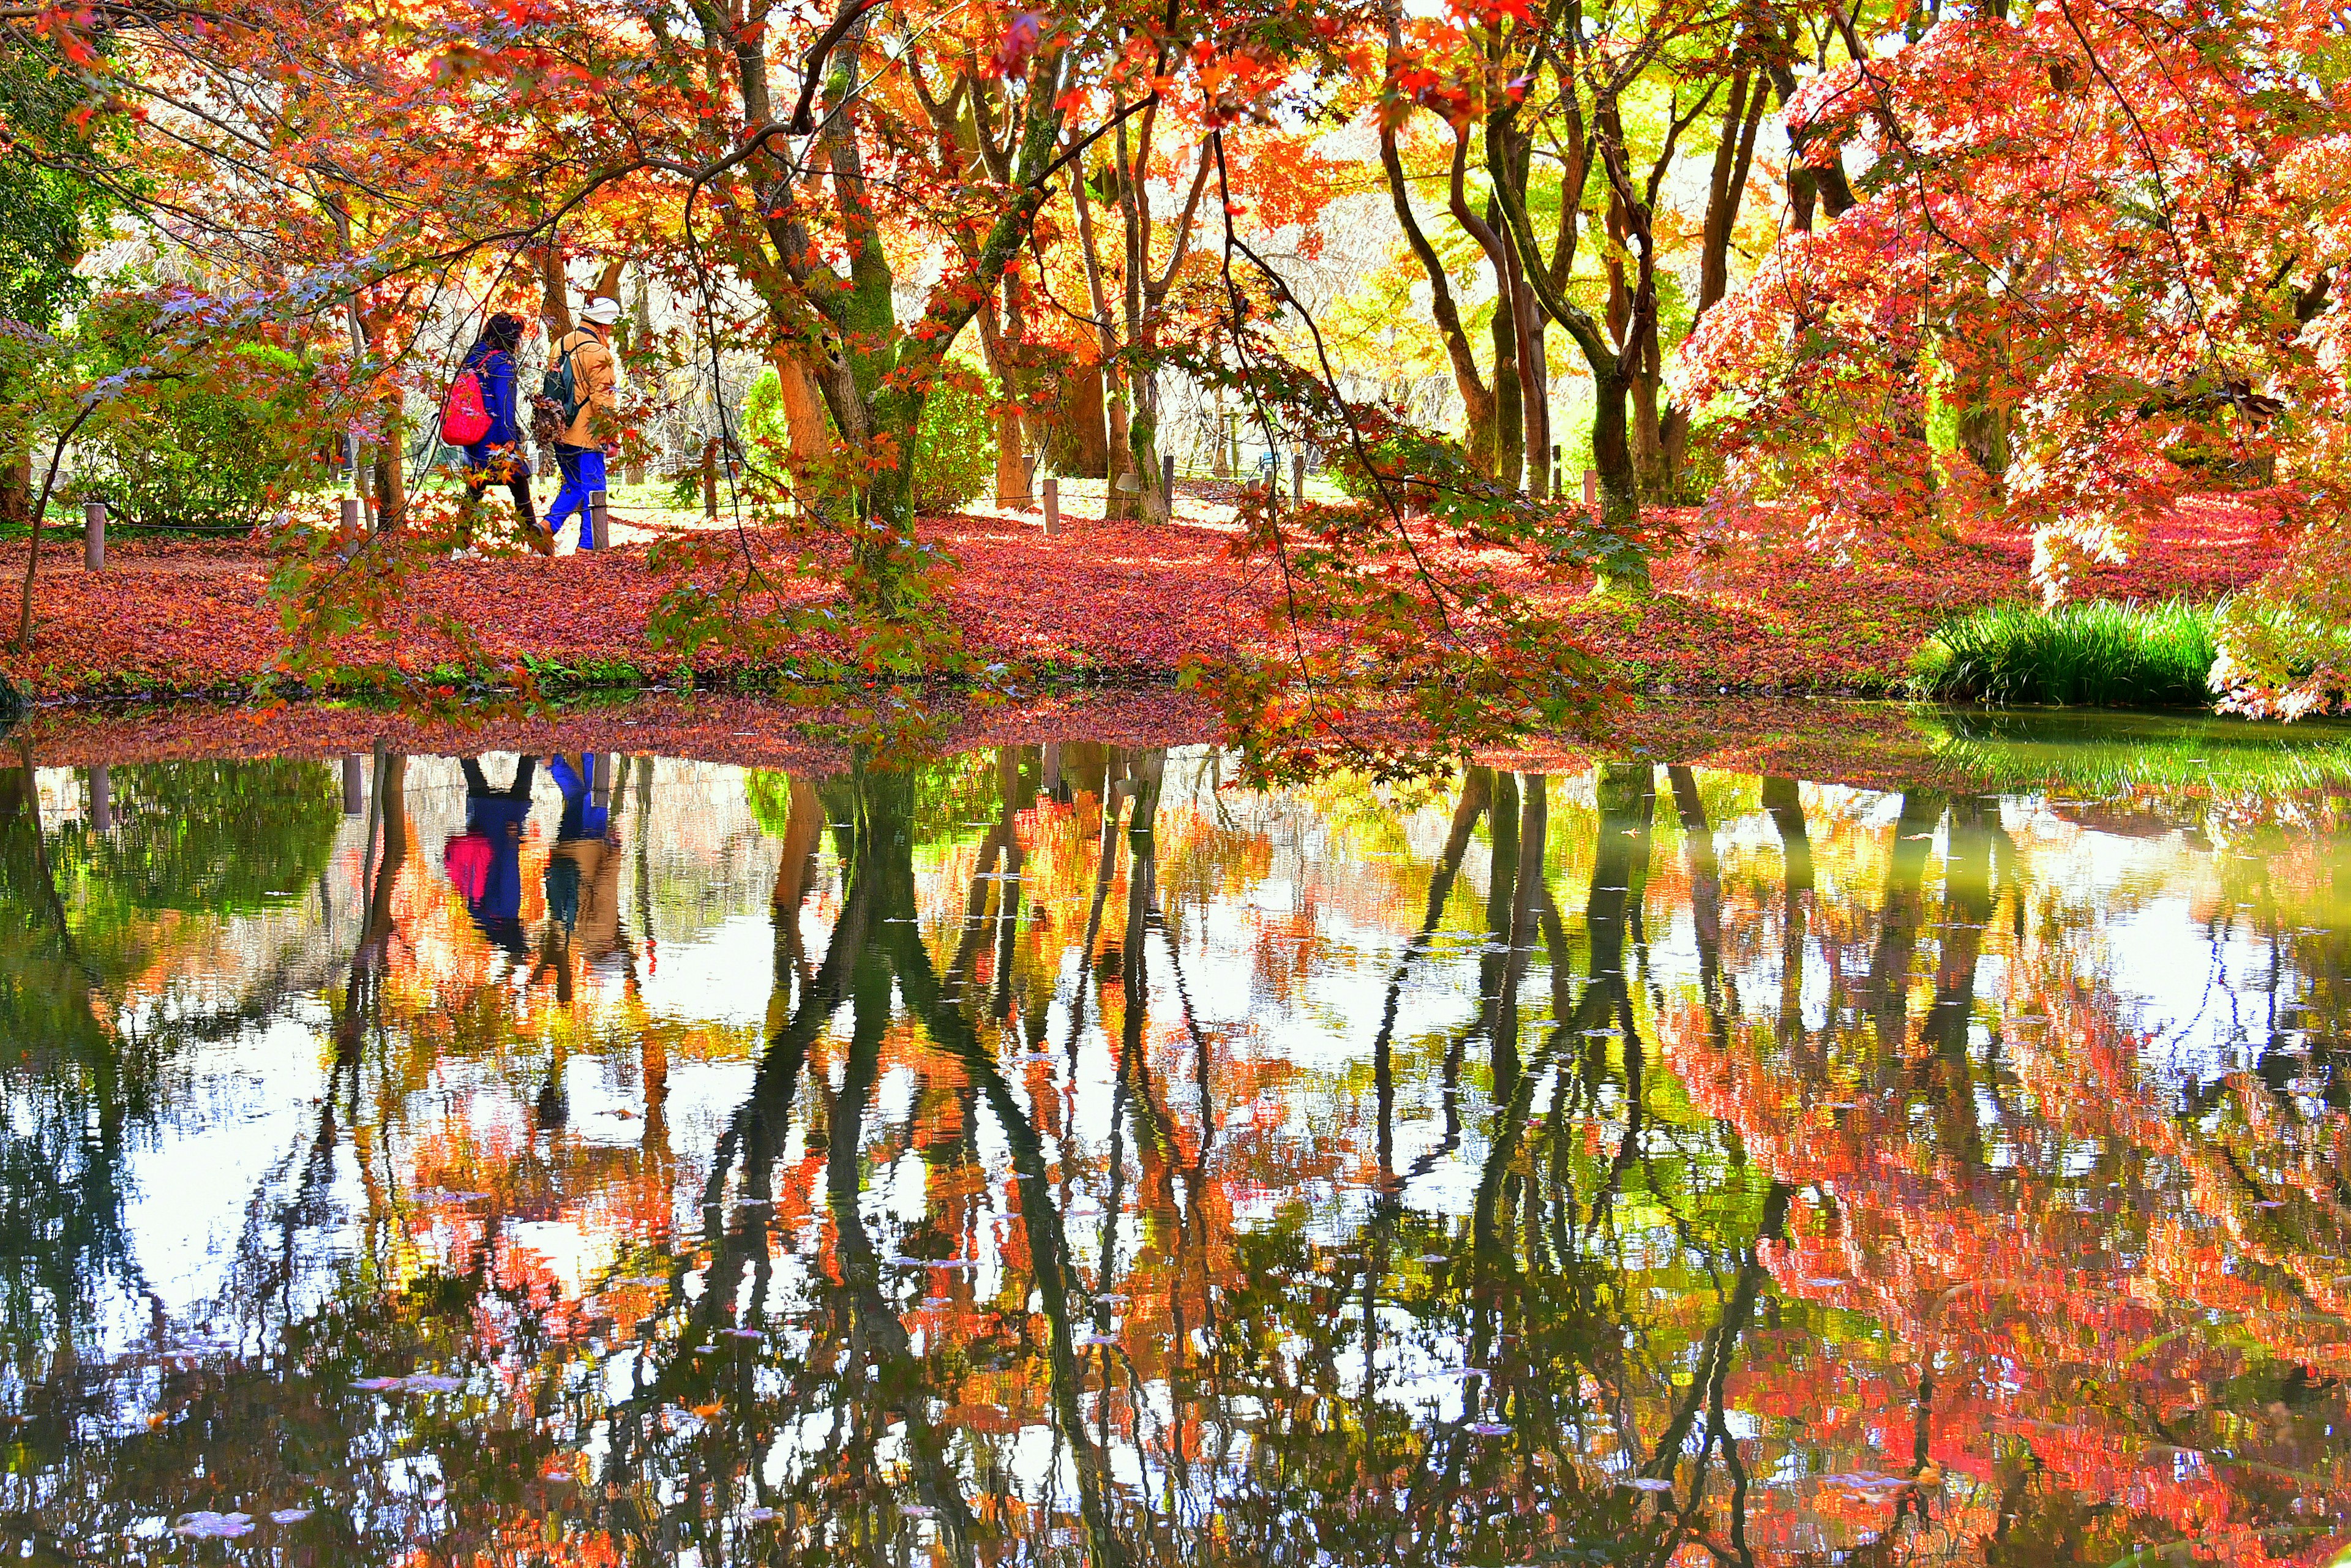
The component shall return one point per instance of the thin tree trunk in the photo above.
(1116, 502)
(33, 534)
(1476, 398)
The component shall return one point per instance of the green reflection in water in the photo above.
(1050, 1155)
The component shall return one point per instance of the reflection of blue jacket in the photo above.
(495, 368)
(581, 819)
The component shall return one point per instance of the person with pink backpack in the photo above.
(481, 416)
(483, 862)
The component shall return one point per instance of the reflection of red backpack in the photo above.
(467, 858)
(465, 416)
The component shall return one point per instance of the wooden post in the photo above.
(1297, 478)
(354, 784)
(1053, 505)
(600, 787)
(632, 474)
(1167, 484)
(598, 531)
(102, 799)
(1592, 491)
(93, 536)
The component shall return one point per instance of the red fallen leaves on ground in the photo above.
(1121, 598)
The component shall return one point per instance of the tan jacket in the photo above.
(595, 373)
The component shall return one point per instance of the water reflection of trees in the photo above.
(1806, 1245)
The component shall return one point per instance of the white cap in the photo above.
(603, 311)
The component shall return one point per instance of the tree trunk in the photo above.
(1076, 441)
(1612, 456)
(1011, 463)
(809, 430)
(1535, 391)
(17, 489)
(1476, 398)
(1123, 496)
(1648, 430)
(391, 471)
(1734, 156)
(1143, 439)
(554, 297)
(1509, 409)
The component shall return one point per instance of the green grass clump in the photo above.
(2096, 654)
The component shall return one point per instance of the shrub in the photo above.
(2096, 654)
(955, 454)
(954, 460)
(205, 453)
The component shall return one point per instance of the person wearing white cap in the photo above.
(579, 443)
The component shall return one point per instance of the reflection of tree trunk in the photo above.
(1706, 880)
(1533, 821)
(1477, 790)
(1722, 1340)
(1530, 900)
(1967, 906)
(1784, 801)
(1899, 915)
(899, 1386)
(1627, 798)
(897, 953)
(796, 864)
(28, 801)
(387, 825)
(1502, 889)
(1627, 801)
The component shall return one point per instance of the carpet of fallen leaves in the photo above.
(1116, 600)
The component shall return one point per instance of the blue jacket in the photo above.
(497, 369)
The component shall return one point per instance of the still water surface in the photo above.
(1059, 1154)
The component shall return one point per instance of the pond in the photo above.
(1064, 1154)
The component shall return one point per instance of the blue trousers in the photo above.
(583, 471)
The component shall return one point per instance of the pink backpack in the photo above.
(467, 858)
(464, 417)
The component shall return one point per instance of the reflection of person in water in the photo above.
(583, 875)
(483, 861)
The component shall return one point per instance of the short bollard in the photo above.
(354, 784)
(1297, 479)
(633, 474)
(1053, 505)
(93, 536)
(349, 530)
(1592, 490)
(1167, 482)
(600, 522)
(102, 799)
(1029, 464)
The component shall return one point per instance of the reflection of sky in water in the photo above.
(1288, 919)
